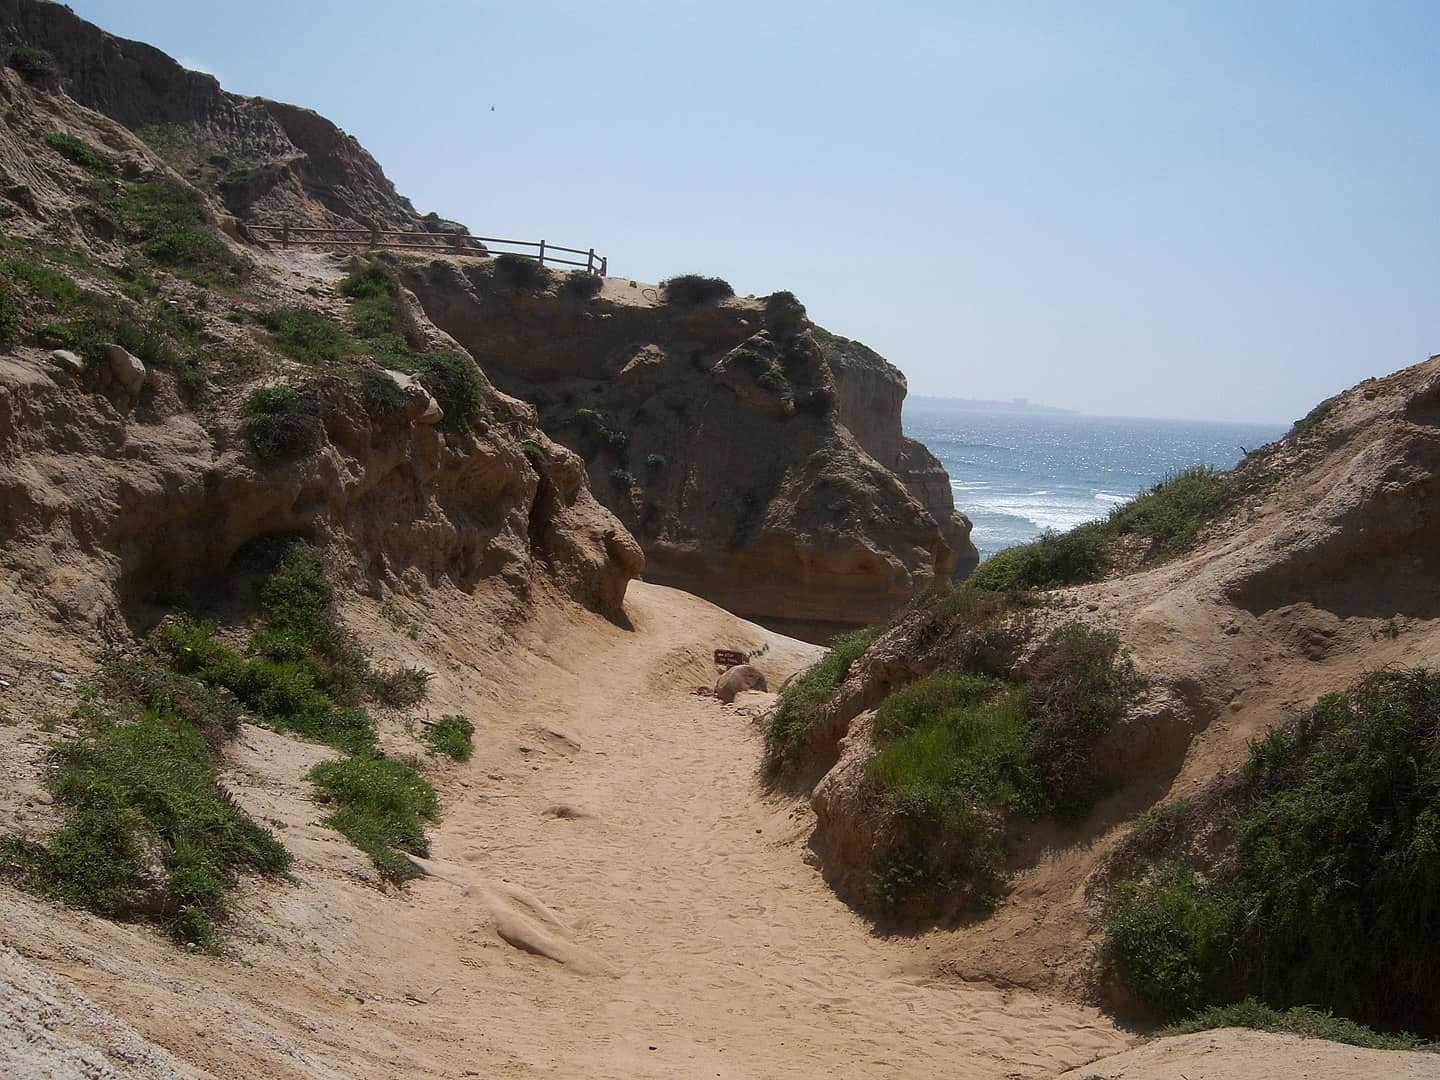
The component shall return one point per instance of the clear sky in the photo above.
(1220, 209)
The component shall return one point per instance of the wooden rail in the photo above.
(287, 235)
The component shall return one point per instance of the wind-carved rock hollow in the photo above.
(759, 460)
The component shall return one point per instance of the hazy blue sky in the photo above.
(1194, 209)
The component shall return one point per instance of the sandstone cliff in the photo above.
(117, 491)
(720, 434)
(870, 392)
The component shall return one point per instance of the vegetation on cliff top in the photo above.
(1310, 876)
(692, 289)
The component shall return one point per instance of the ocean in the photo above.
(1017, 474)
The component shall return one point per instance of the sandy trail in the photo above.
(613, 896)
(695, 941)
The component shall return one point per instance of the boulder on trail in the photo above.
(739, 678)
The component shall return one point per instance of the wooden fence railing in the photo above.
(287, 235)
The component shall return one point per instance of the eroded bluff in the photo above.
(261, 159)
(721, 435)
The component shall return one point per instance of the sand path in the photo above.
(689, 936)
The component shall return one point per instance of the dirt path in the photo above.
(612, 897)
(696, 940)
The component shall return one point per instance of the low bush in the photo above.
(1331, 845)
(624, 479)
(692, 289)
(147, 832)
(400, 688)
(309, 338)
(580, 285)
(1068, 558)
(960, 751)
(32, 62)
(374, 291)
(170, 226)
(457, 383)
(656, 461)
(1172, 513)
(522, 272)
(383, 808)
(1170, 933)
(1300, 1020)
(281, 424)
(451, 735)
(80, 152)
(787, 736)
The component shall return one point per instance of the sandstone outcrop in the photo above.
(119, 483)
(717, 433)
(870, 392)
(262, 159)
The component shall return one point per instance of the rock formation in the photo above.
(717, 433)
(869, 394)
(260, 158)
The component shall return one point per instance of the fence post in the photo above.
(285, 235)
(590, 262)
(374, 237)
(542, 252)
(604, 267)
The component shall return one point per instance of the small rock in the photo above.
(741, 677)
(127, 369)
(67, 363)
(494, 776)
(60, 678)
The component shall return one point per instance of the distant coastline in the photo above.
(1014, 405)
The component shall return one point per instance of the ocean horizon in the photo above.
(1018, 474)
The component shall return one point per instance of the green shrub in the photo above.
(80, 152)
(656, 461)
(1172, 513)
(1332, 843)
(580, 285)
(1082, 682)
(970, 747)
(375, 308)
(309, 338)
(32, 62)
(400, 688)
(301, 670)
(1068, 558)
(169, 224)
(960, 751)
(691, 289)
(383, 808)
(788, 735)
(522, 272)
(1311, 421)
(11, 314)
(451, 735)
(1301, 1020)
(281, 424)
(624, 479)
(147, 831)
(457, 383)
(1171, 934)
(269, 400)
